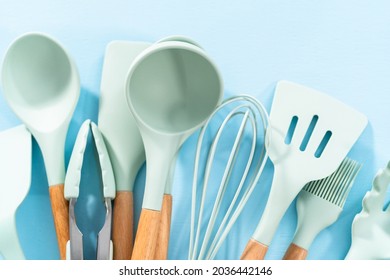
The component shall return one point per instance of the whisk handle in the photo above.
(165, 227)
(254, 250)
(295, 252)
(146, 237)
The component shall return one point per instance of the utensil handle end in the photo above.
(254, 250)
(60, 206)
(122, 226)
(295, 252)
(146, 237)
(165, 227)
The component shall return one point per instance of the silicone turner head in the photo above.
(310, 134)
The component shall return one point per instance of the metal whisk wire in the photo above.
(253, 114)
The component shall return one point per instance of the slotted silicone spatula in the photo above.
(310, 133)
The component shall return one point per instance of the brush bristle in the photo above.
(335, 188)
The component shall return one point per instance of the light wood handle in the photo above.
(60, 209)
(254, 250)
(165, 228)
(122, 225)
(294, 252)
(146, 237)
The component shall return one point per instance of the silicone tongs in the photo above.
(74, 248)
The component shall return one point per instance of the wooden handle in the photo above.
(165, 228)
(294, 252)
(122, 225)
(146, 237)
(60, 209)
(254, 250)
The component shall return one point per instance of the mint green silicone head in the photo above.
(370, 227)
(172, 88)
(73, 175)
(15, 173)
(177, 38)
(116, 122)
(310, 134)
(41, 85)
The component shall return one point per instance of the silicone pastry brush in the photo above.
(371, 227)
(72, 185)
(319, 205)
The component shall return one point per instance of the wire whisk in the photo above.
(240, 179)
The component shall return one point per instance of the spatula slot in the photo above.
(309, 132)
(323, 144)
(291, 130)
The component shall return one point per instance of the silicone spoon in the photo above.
(42, 86)
(172, 88)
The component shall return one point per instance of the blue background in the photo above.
(339, 47)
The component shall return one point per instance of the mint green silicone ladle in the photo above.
(42, 86)
(172, 88)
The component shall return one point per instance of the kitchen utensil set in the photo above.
(153, 97)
